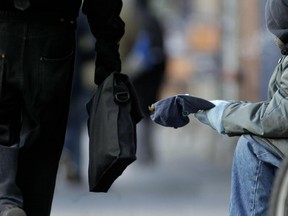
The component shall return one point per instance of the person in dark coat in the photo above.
(37, 50)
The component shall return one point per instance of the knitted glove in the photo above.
(213, 117)
(173, 111)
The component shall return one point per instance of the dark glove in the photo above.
(107, 60)
(173, 111)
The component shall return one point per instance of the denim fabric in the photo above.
(36, 68)
(253, 172)
(9, 193)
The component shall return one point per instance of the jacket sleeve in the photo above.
(108, 29)
(104, 19)
(266, 119)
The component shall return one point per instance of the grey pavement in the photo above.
(190, 177)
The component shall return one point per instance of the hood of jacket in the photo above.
(276, 14)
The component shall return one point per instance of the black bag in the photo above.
(113, 114)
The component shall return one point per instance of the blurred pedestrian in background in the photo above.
(144, 59)
(82, 91)
(37, 46)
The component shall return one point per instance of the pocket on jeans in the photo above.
(55, 77)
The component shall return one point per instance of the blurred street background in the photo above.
(214, 49)
(190, 176)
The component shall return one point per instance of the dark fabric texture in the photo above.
(104, 21)
(113, 113)
(37, 56)
(107, 60)
(99, 10)
(36, 68)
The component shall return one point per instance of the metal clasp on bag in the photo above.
(122, 97)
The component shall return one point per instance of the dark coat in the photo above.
(98, 12)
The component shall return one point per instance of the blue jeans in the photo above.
(253, 172)
(36, 69)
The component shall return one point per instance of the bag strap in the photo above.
(120, 91)
(125, 91)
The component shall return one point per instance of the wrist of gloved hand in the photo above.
(107, 60)
(213, 117)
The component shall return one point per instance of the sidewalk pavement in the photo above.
(191, 177)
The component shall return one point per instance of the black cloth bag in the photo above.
(113, 113)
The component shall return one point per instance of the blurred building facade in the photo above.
(226, 38)
(216, 49)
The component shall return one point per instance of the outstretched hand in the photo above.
(173, 111)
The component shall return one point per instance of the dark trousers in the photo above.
(36, 68)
